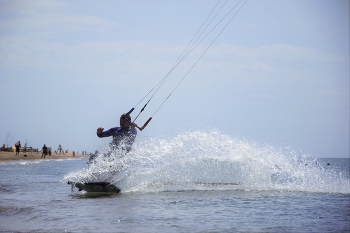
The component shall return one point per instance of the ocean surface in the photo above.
(194, 182)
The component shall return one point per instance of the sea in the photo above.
(193, 182)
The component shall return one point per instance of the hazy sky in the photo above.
(278, 74)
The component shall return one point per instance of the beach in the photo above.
(11, 156)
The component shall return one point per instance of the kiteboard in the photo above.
(96, 187)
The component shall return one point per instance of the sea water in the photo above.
(194, 182)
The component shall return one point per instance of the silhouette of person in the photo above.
(44, 152)
(59, 148)
(17, 145)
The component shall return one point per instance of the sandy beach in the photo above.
(11, 156)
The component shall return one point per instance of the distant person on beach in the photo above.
(59, 148)
(17, 145)
(123, 136)
(44, 151)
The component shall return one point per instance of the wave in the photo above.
(12, 210)
(212, 161)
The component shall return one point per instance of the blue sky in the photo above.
(278, 74)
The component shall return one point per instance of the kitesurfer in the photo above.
(123, 136)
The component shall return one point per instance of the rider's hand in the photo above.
(100, 130)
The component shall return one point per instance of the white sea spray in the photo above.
(211, 160)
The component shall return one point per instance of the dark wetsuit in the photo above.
(123, 138)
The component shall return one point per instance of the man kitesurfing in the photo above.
(123, 136)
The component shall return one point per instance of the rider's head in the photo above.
(124, 123)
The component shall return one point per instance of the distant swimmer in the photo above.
(123, 136)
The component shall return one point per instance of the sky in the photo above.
(278, 74)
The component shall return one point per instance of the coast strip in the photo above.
(11, 156)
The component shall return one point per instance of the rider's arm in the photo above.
(107, 133)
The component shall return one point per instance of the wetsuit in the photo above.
(123, 138)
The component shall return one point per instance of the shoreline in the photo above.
(11, 156)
